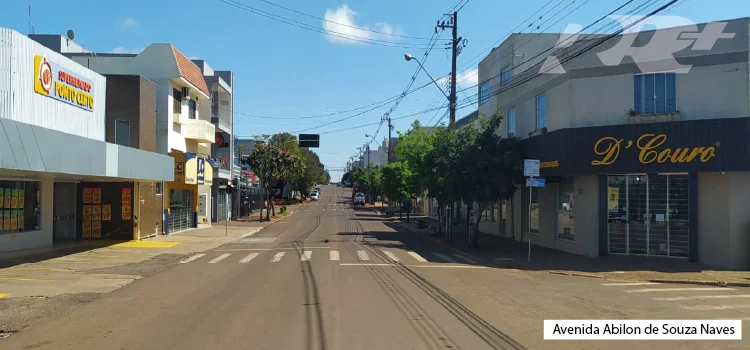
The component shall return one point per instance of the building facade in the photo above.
(183, 126)
(646, 158)
(60, 179)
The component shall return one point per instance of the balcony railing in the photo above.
(199, 130)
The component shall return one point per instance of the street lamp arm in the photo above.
(410, 57)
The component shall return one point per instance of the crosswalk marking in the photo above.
(699, 297)
(247, 259)
(677, 289)
(196, 256)
(390, 255)
(220, 258)
(362, 255)
(335, 255)
(306, 255)
(444, 257)
(465, 259)
(417, 257)
(630, 284)
(278, 256)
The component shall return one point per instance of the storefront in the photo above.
(671, 189)
(106, 210)
(182, 202)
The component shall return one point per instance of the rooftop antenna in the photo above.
(31, 26)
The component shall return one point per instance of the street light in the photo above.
(409, 57)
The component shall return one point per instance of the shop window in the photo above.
(122, 132)
(159, 188)
(177, 103)
(534, 210)
(19, 206)
(565, 220)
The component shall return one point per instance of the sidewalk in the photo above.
(504, 252)
(104, 266)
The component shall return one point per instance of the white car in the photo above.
(314, 196)
(359, 198)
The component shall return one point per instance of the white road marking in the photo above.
(334, 209)
(466, 259)
(729, 296)
(716, 307)
(196, 256)
(362, 255)
(417, 257)
(630, 284)
(219, 258)
(444, 257)
(265, 249)
(390, 255)
(335, 255)
(737, 318)
(278, 256)
(247, 259)
(435, 266)
(306, 255)
(677, 289)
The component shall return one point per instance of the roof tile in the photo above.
(190, 72)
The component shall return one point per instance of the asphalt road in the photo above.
(336, 277)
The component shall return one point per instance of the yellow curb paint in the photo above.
(3, 295)
(147, 244)
(24, 279)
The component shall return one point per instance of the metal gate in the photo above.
(181, 210)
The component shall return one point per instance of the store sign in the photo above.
(651, 150)
(54, 81)
(179, 166)
(550, 164)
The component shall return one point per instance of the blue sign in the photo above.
(538, 182)
(531, 167)
(201, 170)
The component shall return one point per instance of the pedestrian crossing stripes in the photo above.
(385, 256)
(689, 298)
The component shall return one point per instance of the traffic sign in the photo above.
(531, 167)
(535, 182)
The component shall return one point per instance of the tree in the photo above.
(311, 175)
(395, 178)
(412, 149)
(286, 141)
(273, 164)
(438, 165)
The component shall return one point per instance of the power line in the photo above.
(320, 30)
(344, 25)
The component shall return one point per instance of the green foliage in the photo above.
(311, 175)
(412, 149)
(272, 165)
(282, 209)
(396, 179)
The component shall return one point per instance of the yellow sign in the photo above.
(179, 166)
(54, 81)
(549, 164)
(649, 145)
(208, 173)
(613, 197)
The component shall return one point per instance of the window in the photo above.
(541, 111)
(565, 199)
(507, 75)
(512, 122)
(122, 132)
(484, 92)
(177, 102)
(655, 93)
(19, 206)
(191, 108)
(159, 188)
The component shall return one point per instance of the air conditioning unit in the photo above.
(185, 93)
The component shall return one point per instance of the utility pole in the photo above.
(455, 50)
(390, 129)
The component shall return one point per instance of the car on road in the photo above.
(359, 198)
(314, 196)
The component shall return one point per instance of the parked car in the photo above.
(314, 196)
(359, 198)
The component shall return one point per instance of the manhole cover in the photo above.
(255, 240)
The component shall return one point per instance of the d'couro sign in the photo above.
(608, 148)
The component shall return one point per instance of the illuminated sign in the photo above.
(54, 81)
(650, 150)
(549, 164)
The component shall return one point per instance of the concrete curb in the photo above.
(666, 281)
(575, 274)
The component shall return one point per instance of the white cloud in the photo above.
(123, 49)
(467, 79)
(129, 23)
(342, 20)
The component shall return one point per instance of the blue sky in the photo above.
(282, 71)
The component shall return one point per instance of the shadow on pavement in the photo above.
(60, 250)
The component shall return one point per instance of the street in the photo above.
(337, 277)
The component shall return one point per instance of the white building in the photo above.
(639, 159)
(59, 179)
(184, 127)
